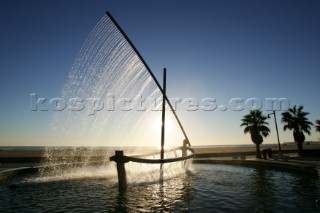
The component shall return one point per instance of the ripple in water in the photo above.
(210, 188)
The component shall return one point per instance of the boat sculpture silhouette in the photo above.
(120, 158)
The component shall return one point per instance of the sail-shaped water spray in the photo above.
(112, 96)
(113, 99)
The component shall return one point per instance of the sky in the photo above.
(218, 49)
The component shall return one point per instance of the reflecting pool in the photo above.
(207, 188)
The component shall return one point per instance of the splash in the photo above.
(137, 173)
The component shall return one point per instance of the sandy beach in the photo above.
(237, 149)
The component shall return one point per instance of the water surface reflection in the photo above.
(209, 188)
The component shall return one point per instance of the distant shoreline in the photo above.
(286, 144)
(17, 152)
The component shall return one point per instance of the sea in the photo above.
(135, 147)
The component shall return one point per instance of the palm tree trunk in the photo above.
(258, 153)
(299, 139)
(300, 148)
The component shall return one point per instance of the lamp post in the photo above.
(275, 121)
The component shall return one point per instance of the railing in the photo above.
(137, 158)
(121, 159)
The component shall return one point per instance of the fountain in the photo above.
(109, 67)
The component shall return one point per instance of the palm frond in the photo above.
(255, 123)
(296, 119)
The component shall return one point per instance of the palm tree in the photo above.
(318, 125)
(255, 123)
(295, 119)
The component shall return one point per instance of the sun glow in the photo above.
(168, 124)
(171, 131)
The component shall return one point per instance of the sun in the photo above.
(157, 124)
(156, 129)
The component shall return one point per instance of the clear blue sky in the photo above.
(220, 49)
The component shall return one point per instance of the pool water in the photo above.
(208, 188)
